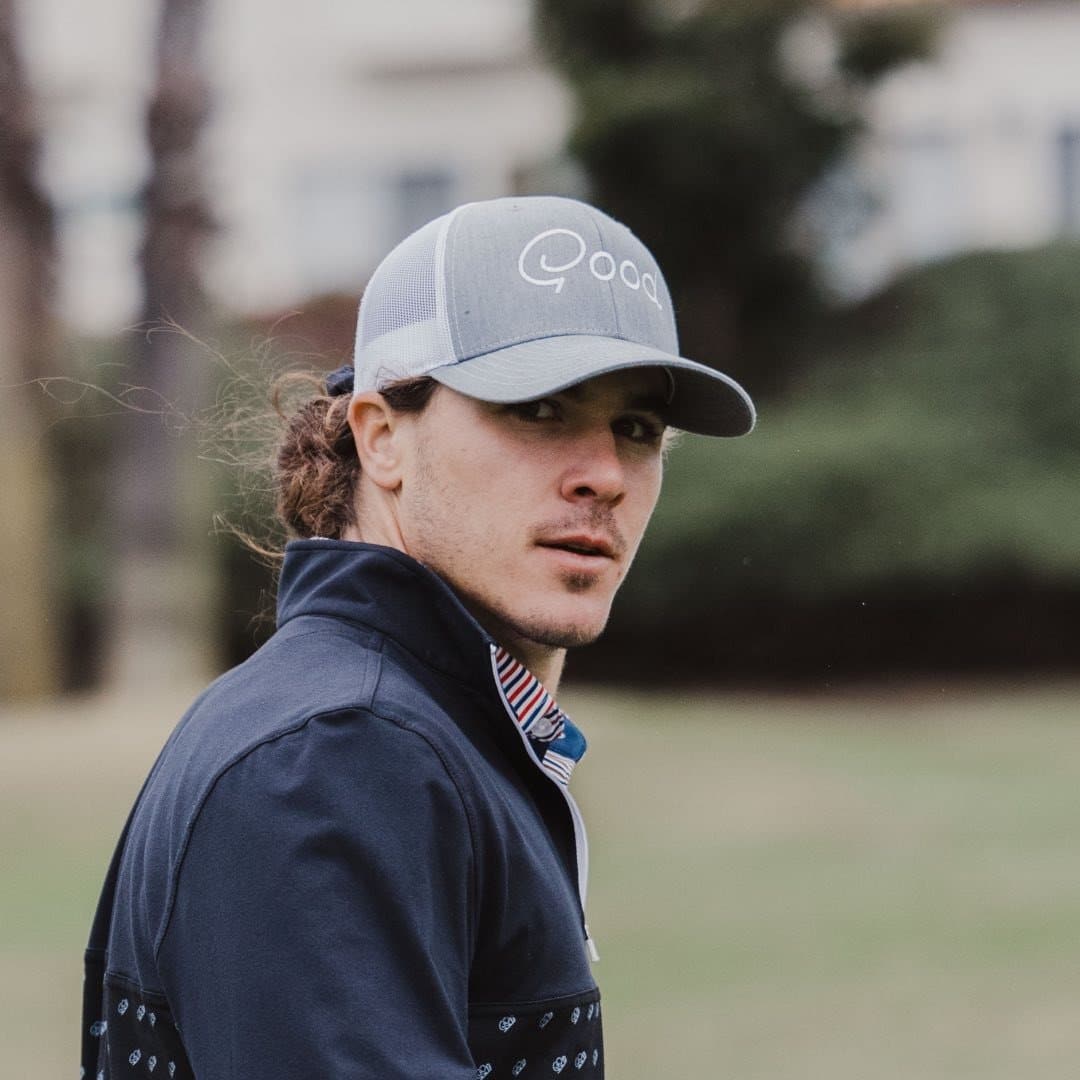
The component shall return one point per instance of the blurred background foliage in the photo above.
(910, 505)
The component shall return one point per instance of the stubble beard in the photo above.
(543, 629)
(553, 637)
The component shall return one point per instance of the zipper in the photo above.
(581, 841)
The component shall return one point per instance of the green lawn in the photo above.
(869, 885)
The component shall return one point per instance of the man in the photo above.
(357, 855)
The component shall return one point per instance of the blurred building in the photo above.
(979, 148)
(336, 129)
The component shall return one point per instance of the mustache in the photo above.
(598, 521)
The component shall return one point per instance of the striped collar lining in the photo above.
(556, 742)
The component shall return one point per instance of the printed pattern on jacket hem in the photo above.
(535, 1041)
(134, 1035)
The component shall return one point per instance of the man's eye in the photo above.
(640, 429)
(535, 410)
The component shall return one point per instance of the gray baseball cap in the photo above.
(517, 298)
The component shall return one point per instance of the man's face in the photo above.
(533, 512)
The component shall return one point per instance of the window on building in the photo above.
(421, 195)
(927, 196)
(332, 210)
(1068, 152)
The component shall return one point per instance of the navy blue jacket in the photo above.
(346, 861)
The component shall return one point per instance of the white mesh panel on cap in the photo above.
(401, 329)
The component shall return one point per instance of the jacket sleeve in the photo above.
(322, 922)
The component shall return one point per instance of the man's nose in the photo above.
(596, 471)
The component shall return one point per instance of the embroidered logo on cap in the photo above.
(602, 265)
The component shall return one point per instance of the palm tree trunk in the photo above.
(163, 629)
(28, 638)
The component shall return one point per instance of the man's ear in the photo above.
(377, 432)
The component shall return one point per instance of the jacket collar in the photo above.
(554, 739)
(389, 592)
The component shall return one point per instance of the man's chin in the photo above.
(560, 626)
(569, 633)
(567, 638)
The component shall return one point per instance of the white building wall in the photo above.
(966, 151)
(335, 132)
(338, 125)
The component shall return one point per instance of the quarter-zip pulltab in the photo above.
(590, 946)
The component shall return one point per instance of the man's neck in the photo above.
(543, 662)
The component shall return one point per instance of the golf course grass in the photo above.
(874, 884)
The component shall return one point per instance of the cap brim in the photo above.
(705, 401)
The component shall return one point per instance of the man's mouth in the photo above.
(595, 546)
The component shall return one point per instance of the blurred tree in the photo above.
(164, 618)
(704, 126)
(914, 506)
(27, 338)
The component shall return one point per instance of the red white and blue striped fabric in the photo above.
(557, 743)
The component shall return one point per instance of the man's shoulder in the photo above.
(318, 667)
(311, 671)
(299, 674)
(293, 726)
